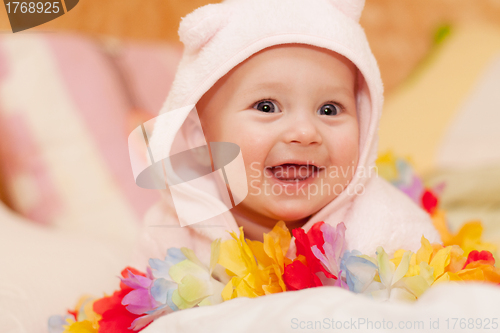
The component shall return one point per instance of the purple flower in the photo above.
(139, 300)
(334, 247)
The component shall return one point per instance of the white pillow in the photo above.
(312, 310)
(44, 271)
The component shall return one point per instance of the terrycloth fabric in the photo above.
(331, 309)
(217, 37)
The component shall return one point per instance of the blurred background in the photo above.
(400, 32)
(72, 89)
(117, 59)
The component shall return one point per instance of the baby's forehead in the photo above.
(296, 54)
(289, 61)
(304, 51)
(276, 68)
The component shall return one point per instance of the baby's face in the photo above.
(292, 111)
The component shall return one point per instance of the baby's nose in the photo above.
(303, 130)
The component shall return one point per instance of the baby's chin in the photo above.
(293, 215)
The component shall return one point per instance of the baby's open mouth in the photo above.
(290, 172)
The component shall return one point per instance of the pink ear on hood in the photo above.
(351, 8)
(199, 26)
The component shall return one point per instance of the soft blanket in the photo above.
(472, 307)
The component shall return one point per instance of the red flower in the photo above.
(115, 317)
(315, 236)
(429, 201)
(73, 313)
(304, 242)
(485, 256)
(298, 275)
(301, 273)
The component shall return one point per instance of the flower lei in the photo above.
(241, 267)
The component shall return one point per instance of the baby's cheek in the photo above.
(252, 141)
(253, 161)
(345, 151)
(210, 128)
(248, 146)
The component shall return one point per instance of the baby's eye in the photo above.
(329, 110)
(267, 106)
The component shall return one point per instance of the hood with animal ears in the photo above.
(216, 38)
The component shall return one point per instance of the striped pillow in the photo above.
(65, 114)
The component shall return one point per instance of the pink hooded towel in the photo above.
(217, 37)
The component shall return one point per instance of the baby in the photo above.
(293, 127)
(294, 84)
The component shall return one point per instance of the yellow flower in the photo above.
(437, 264)
(87, 309)
(434, 263)
(256, 268)
(386, 165)
(238, 259)
(271, 258)
(79, 327)
(87, 320)
(392, 282)
(197, 283)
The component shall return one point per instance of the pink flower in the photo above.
(333, 249)
(139, 300)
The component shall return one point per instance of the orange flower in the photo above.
(478, 271)
(468, 237)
